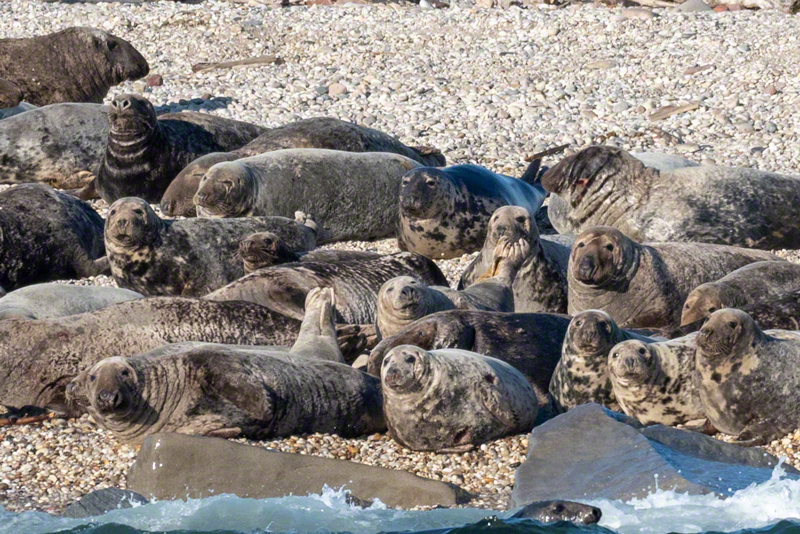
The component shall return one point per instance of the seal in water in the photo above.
(581, 376)
(541, 283)
(451, 400)
(144, 153)
(605, 185)
(552, 511)
(41, 301)
(72, 65)
(10, 94)
(320, 132)
(190, 257)
(352, 195)
(47, 235)
(645, 285)
(757, 283)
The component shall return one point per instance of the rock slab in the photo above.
(101, 501)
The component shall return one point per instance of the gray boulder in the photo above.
(593, 453)
(102, 501)
(693, 6)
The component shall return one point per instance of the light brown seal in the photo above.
(41, 301)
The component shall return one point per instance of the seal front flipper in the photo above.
(354, 339)
(758, 432)
(455, 450)
(496, 400)
(238, 385)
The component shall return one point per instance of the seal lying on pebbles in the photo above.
(47, 235)
(320, 132)
(72, 65)
(530, 342)
(748, 379)
(541, 283)
(41, 301)
(145, 153)
(758, 282)
(188, 257)
(654, 382)
(645, 285)
(552, 511)
(10, 94)
(445, 213)
(581, 376)
(451, 400)
(723, 205)
(356, 284)
(41, 357)
(266, 249)
(352, 195)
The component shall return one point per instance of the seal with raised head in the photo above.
(41, 301)
(144, 153)
(190, 257)
(541, 283)
(73, 65)
(352, 195)
(452, 400)
(604, 185)
(319, 132)
(47, 235)
(552, 511)
(445, 213)
(581, 376)
(645, 285)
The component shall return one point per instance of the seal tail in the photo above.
(533, 174)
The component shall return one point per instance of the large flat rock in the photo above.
(176, 466)
(593, 453)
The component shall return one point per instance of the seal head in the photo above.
(552, 511)
(601, 257)
(631, 362)
(401, 301)
(426, 193)
(728, 334)
(405, 369)
(263, 250)
(226, 190)
(110, 388)
(131, 119)
(131, 224)
(702, 302)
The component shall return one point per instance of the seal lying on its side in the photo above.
(41, 301)
(188, 257)
(266, 249)
(445, 213)
(451, 400)
(552, 511)
(320, 132)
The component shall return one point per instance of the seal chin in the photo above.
(109, 401)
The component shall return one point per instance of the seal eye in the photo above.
(125, 373)
(581, 245)
(137, 211)
(92, 378)
(111, 45)
(615, 355)
(579, 322)
(641, 351)
(732, 324)
(430, 181)
(227, 183)
(521, 219)
(410, 359)
(712, 309)
(113, 212)
(609, 247)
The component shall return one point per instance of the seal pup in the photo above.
(747, 378)
(452, 400)
(10, 94)
(581, 376)
(352, 195)
(47, 235)
(73, 65)
(444, 213)
(604, 185)
(319, 132)
(41, 301)
(645, 285)
(356, 284)
(541, 283)
(189, 257)
(144, 153)
(654, 382)
(552, 511)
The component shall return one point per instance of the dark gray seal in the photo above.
(351, 195)
(41, 301)
(10, 94)
(605, 185)
(144, 154)
(552, 511)
(645, 285)
(452, 400)
(72, 65)
(320, 132)
(541, 282)
(445, 213)
(191, 257)
(47, 235)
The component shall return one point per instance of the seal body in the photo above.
(72, 65)
(187, 257)
(552, 511)
(709, 204)
(451, 400)
(351, 195)
(42, 301)
(47, 235)
(445, 213)
(320, 132)
(645, 285)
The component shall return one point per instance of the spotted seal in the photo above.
(645, 285)
(452, 400)
(41, 301)
(445, 213)
(266, 249)
(552, 511)
(319, 132)
(190, 257)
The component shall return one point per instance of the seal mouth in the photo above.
(107, 402)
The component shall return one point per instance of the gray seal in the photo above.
(552, 511)
(319, 132)
(47, 235)
(605, 185)
(444, 213)
(541, 283)
(645, 285)
(352, 195)
(42, 301)
(453, 400)
(190, 257)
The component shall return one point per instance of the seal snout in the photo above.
(586, 269)
(131, 117)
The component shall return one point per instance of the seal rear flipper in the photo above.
(758, 432)
(355, 339)
(87, 192)
(317, 338)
